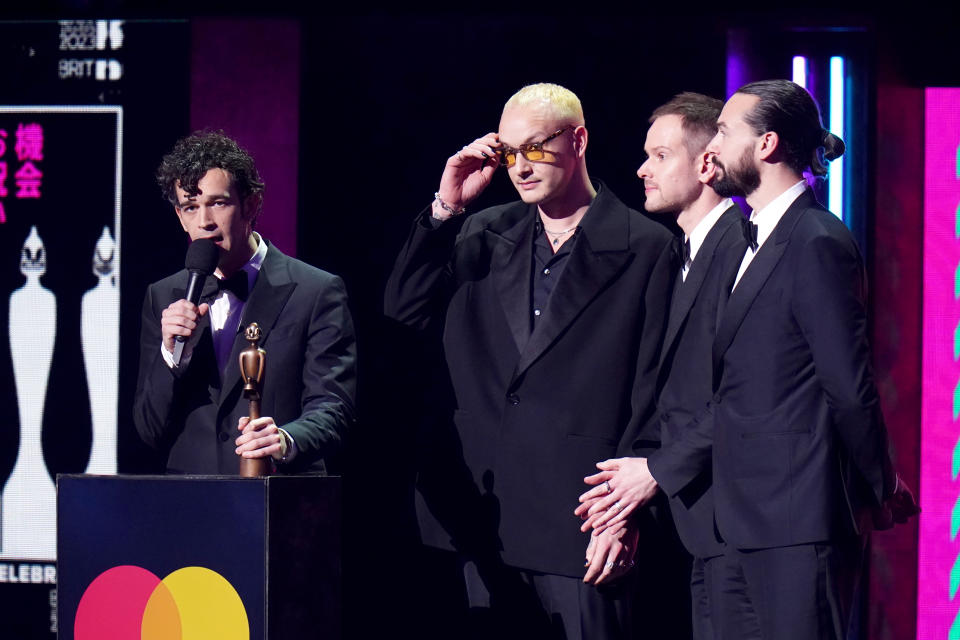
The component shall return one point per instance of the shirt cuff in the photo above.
(292, 449)
(184, 357)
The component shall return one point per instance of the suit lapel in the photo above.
(510, 266)
(756, 275)
(600, 252)
(270, 293)
(687, 291)
(675, 316)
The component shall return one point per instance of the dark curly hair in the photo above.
(199, 152)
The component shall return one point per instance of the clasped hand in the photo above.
(260, 438)
(621, 486)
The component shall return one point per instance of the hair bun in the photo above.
(833, 146)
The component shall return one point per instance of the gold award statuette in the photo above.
(253, 363)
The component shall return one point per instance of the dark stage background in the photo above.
(355, 149)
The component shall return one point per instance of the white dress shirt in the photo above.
(766, 220)
(225, 312)
(699, 233)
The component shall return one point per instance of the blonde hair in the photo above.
(562, 102)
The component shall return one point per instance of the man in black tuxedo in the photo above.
(676, 178)
(189, 404)
(553, 310)
(801, 468)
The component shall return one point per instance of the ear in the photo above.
(704, 167)
(580, 141)
(767, 145)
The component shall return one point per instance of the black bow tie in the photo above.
(682, 249)
(236, 284)
(750, 234)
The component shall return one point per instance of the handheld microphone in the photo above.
(201, 260)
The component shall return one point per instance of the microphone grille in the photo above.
(202, 256)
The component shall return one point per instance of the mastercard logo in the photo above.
(131, 603)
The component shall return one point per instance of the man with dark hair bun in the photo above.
(189, 403)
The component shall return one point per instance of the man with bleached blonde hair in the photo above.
(552, 310)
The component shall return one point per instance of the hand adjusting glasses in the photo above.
(532, 151)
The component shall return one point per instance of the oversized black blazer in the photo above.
(309, 384)
(685, 379)
(535, 411)
(800, 449)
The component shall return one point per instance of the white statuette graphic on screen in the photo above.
(100, 338)
(29, 497)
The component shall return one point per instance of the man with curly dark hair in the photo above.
(189, 403)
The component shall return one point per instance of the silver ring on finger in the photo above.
(606, 483)
(609, 565)
(460, 155)
(616, 506)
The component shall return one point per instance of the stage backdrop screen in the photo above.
(60, 265)
(88, 107)
(939, 553)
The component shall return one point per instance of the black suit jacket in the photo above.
(685, 379)
(535, 410)
(309, 383)
(800, 447)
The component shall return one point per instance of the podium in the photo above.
(177, 557)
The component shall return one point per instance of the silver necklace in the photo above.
(558, 234)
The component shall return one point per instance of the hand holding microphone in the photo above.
(179, 320)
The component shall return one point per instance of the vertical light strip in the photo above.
(800, 71)
(835, 175)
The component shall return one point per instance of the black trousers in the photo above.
(450, 596)
(506, 602)
(702, 599)
(802, 592)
